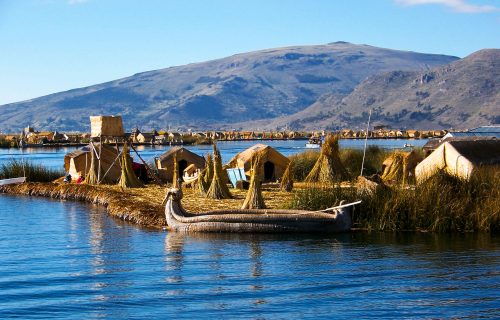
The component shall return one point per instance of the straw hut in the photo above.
(400, 167)
(110, 126)
(78, 162)
(460, 158)
(165, 162)
(273, 163)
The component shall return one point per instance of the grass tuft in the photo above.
(34, 173)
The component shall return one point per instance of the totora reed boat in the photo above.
(255, 220)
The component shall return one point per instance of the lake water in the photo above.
(54, 157)
(61, 259)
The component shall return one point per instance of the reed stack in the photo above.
(328, 168)
(254, 199)
(92, 176)
(286, 180)
(128, 178)
(218, 187)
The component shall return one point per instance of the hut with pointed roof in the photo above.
(77, 162)
(165, 162)
(273, 163)
(460, 158)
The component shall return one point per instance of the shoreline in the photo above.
(81, 144)
(121, 205)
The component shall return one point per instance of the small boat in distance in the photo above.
(314, 143)
(336, 219)
(4, 182)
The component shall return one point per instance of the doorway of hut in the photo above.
(268, 171)
(182, 164)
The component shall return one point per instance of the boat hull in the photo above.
(313, 146)
(254, 220)
(4, 182)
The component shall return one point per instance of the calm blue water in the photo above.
(70, 260)
(54, 157)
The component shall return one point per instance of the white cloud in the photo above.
(456, 5)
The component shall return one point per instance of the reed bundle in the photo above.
(395, 169)
(254, 199)
(328, 168)
(287, 181)
(205, 176)
(92, 175)
(218, 187)
(128, 178)
(209, 165)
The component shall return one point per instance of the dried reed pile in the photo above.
(128, 178)
(254, 199)
(395, 170)
(205, 176)
(328, 168)
(287, 181)
(123, 205)
(92, 176)
(218, 187)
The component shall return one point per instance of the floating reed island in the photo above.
(392, 200)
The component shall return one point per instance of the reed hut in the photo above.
(184, 158)
(78, 162)
(399, 167)
(459, 158)
(106, 126)
(273, 166)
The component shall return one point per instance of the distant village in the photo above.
(30, 137)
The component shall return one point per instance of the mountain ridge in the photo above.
(259, 85)
(461, 94)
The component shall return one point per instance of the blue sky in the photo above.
(49, 46)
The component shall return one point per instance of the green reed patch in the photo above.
(34, 173)
(443, 203)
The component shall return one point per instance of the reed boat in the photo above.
(314, 143)
(336, 219)
(4, 182)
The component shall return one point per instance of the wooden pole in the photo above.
(99, 160)
(366, 141)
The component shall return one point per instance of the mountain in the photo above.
(263, 84)
(462, 94)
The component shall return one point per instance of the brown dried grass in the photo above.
(254, 199)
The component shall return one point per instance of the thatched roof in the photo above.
(165, 162)
(479, 151)
(181, 153)
(79, 160)
(269, 155)
(244, 158)
(106, 126)
(433, 144)
(460, 157)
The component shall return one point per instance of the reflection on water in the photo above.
(70, 260)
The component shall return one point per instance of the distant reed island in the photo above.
(29, 137)
(452, 187)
